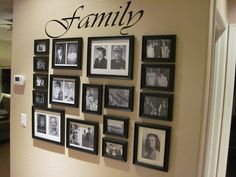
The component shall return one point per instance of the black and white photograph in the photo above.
(67, 53)
(92, 98)
(40, 81)
(41, 64)
(115, 149)
(64, 90)
(110, 57)
(48, 124)
(159, 48)
(151, 146)
(40, 98)
(41, 46)
(159, 77)
(116, 126)
(156, 106)
(82, 135)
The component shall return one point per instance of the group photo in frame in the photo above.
(151, 146)
(48, 125)
(40, 81)
(41, 64)
(40, 98)
(82, 135)
(67, 53)
(114, 149)
(156, 106)
(116, 126)
(119, 97)
(158, 77)
(110, 57)
(41, 46)
(92, 98)
(64, 90)
(159, 48)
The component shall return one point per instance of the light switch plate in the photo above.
(23, 120)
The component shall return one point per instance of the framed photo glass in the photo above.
(110, 57)
(40, 98)
(151, 146)
(41, 46)
(40, 81)
(41, 64)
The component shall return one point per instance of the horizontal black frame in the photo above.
(40, 98)
(43, 84)
(46, 42)
(166, 149)
(45, 61)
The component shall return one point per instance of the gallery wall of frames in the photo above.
(110, 57)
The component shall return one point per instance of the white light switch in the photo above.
(23, 120)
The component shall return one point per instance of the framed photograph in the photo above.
(82, 135)
(156, 106)
(159, 48)
(41, 64)
(41, 46)
(40, 98)
(158, 76)
(92, 98)
(116, 125)
(111, 57)
(40, 81)
(119, 97)
(67, 53)
(151, 146)
(115, 149)
(64, 90)
(48, 125)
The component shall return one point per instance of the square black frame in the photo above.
(75, 101)
(108, 73)
(124, 144)
(152, 128)
(163, 82)
(99, 98)
(39, 95)
(45, 60)
(66, 41)
(62, 125)
(125, 121)
(156, 110)
(130, 98)
(46, 42)
(155, 54)
(95, 139)
(44, 81)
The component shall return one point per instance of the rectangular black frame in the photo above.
(43, 66)
(114, 106)
(155, 107)
(161, 134)
(157, 52)
(62, 98)
(40, 98)
(114, 132)
(98, 97)
(44, 43)
(40, 81)
(100, 69)
(64, 47)
(115, 154)
(69, 135)
(160, 77)
(44, 111)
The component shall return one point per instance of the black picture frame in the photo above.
(48, 125)
(67, 53)
(159, 48)
(40, 81)
(152, 157)
(92, 98)
(114, 149)
(40, 98)
(159, 77)
(82, 135)
(41, 64)
(41, 46)
(119, 97)
(110, 57)
(116, 126)
(156, 105)
(64, 90)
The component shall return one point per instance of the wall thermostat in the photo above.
(19, 79)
